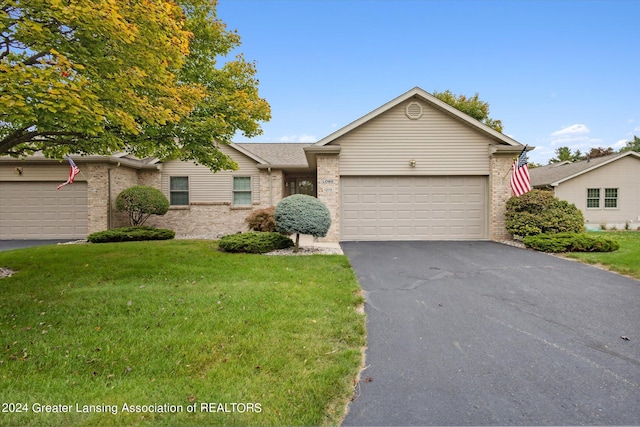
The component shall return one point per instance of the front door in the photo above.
(302, 185)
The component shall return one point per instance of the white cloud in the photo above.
(621, 143)
(574, 136)
(576, 129)
(298, 138)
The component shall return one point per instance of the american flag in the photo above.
(73, 171)
(520, 181)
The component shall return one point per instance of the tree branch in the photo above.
(34, 59)
(20, 136)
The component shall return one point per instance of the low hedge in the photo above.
(131, 234)
(254, 242)
(570, 242)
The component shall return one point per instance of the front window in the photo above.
(242, 190)
(610, 197)
(179, 190)
(593, 198)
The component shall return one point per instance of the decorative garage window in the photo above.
(179, 190)
(242, 191)
(593, 198)
(610, 198)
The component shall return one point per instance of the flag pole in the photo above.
(511, 168)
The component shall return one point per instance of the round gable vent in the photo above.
(414, 110)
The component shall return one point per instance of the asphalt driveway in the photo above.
(479, 333)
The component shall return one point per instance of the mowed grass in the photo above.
(276, 339)
(625, 260)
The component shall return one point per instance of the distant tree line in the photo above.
(564, 154)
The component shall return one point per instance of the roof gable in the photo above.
(430, 100)
(556, 173)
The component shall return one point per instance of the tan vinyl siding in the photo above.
(440, 145)
(39, 172)
(623, 174)
(208, 187)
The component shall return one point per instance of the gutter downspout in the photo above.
(109, 208)
(270, 187)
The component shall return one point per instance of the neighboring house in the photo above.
(606, 189)
(413, 169)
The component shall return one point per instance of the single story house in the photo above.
(606, 189)
(414, 168)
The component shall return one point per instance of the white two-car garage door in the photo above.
(413, 208)
(36, 210)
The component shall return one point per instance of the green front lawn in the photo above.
(625, 260)
(176, 326)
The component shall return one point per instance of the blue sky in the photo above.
(557, 73)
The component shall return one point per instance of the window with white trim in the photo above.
(242, 191)
(610, 198)
(179, 190)
(593, 198)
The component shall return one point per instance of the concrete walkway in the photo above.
(307, 240)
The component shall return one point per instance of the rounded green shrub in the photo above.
(254, 242)
(302, 214)
(262, 220)
(131, 234)
(538, 212)
(570, 242)
(140, 202)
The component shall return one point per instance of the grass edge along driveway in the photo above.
(176, 333)
(623, 261)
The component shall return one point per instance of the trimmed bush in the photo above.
(570, 242)
(262, 220)
(140, 202)
(131, 234)
(538, 212)
(254, 242)
(302, 214)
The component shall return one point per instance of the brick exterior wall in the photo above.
(97, 197)
(275, 180)
(499, 193)
(199, 220)
(204, 220)
(329, 191)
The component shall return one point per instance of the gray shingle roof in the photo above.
(277, 153)
(545, 175)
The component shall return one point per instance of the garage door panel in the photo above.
(413, 208)
(351, 198)
(404, 198)
(36, 210)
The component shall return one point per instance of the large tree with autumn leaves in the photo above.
(149, 77)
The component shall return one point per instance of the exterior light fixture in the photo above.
(412, 163)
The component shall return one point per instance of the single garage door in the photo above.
(414, 208)
(36, 210)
